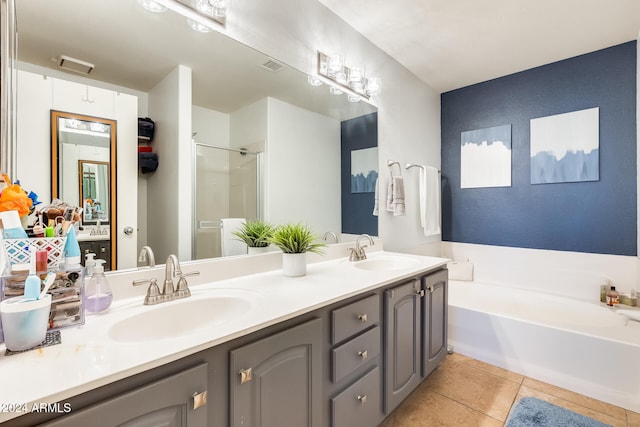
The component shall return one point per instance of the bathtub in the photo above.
(580, 346)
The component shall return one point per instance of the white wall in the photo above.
(38, 93)
(292, 31)
(169, 188)
(303, 168)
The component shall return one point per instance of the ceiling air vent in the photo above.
(272, 65)
(75, 65)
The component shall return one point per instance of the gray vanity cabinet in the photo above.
(172, 401)
(402, 342)
(435, 312)
(355, 390)
(277, 380)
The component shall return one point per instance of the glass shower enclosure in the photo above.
(226, 185)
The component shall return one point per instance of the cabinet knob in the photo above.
(362, 398)
(420, 293)
(362, 317)
(246, 375)
(199, 399)
(363, 354)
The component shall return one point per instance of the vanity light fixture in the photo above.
(314, 81)
(152, 6)
(345, 79)
(202, 15)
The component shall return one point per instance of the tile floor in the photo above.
(467, 392)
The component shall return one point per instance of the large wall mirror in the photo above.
(228, 79)
(83, 170)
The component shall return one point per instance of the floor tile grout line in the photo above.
(469, 407)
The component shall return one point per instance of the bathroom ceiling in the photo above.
(455, 43)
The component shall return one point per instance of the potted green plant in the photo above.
(256, 234)
(295, 240)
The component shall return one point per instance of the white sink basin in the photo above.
(387, 263)
(184, 316)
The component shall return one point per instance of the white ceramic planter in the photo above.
(294, 265)
(255, 251)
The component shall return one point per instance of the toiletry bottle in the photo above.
(71, 250)
(32, 284)
(613, 297)
(89, 263)
(98, 296)
(12, 225)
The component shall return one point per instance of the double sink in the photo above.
(213, 307)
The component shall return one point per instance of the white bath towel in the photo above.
(376, 199)
(230, 244)
(429, 188)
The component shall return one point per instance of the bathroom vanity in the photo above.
(341, 346)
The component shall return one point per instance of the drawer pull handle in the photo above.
(363, 354)
(362, 398)
(362, 317)
(245, 375)
(199, 399)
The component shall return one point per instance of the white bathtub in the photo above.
(581, 346)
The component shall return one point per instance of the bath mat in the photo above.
(532, 412)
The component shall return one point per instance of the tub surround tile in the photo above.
(587, 402)
(596, 414)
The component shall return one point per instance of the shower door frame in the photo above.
(260, 189)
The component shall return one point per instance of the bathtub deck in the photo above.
(466, 392)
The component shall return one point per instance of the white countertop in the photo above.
(89, 358)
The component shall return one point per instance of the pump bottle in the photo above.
(98, 296)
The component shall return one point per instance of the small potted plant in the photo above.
(256, 234)
(295, 240)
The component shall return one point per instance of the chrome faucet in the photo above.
(146, 255)
(169, 273)
(332, 234)
(171, 269)
(358, 253)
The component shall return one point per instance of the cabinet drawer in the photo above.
(355, 317)
(355, 353)
(358, 405)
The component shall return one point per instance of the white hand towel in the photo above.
(398, 196)
(232, 245)
(376, 200)
(430, 209)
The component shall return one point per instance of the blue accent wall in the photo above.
(594, 217)
(357, 208)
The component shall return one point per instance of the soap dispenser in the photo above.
(89, 263)
(98, 296)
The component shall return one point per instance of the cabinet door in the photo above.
(402, 342)
(435, 320)
(168, 402)
(276, 381)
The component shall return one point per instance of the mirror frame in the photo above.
(55, 183)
